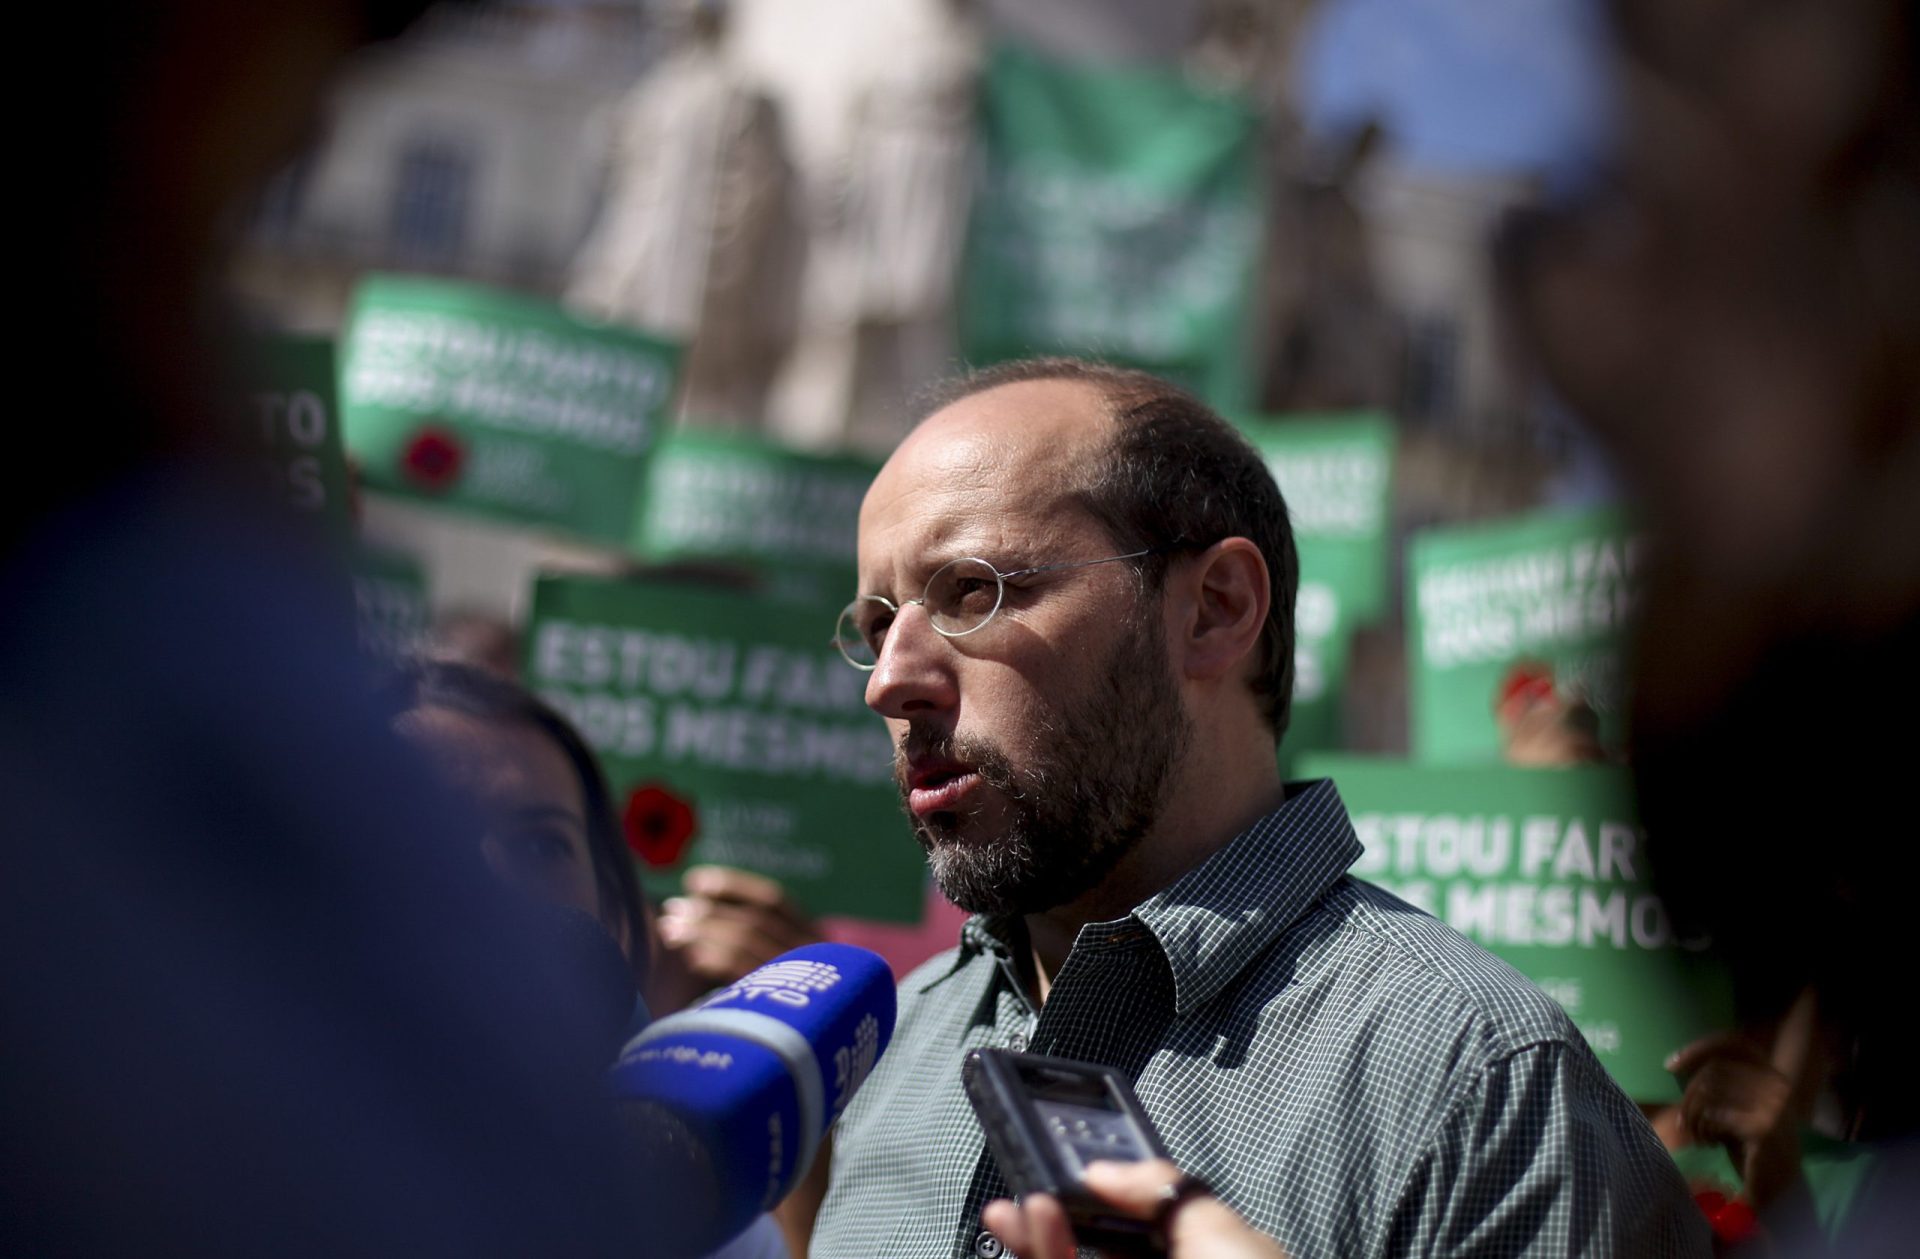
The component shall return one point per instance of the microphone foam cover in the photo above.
(758, 1072)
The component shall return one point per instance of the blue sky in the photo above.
(1463, 84)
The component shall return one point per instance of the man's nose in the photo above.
(914, 674)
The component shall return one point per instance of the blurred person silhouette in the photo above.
(550, 831)
(260, 996)
(696, 237)
(1542, 723)
(554, 833)
(1737, 313)
(724, 923)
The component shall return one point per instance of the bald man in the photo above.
(1076, 610)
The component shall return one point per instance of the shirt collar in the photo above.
(995, 935)
(1220, 915)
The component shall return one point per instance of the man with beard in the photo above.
(1076, 606)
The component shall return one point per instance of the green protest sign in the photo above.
(1321, 645)
(1120, 216)
(1556, 589)
(390, 602)
(501, 404)
(732, 732)
(1547, 869)
(1336, 473)
(791, 517)
(291, 411)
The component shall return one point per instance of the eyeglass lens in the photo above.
(962, 596)
(959, 599)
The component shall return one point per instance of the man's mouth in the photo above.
(938, 786)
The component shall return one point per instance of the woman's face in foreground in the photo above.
(529, 794)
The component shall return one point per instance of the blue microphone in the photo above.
(730, 1100)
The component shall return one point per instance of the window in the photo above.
(1431, 386)
(276, 210)
(431, 197)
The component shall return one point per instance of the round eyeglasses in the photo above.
(960, 597)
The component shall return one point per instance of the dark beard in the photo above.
(1091, 790)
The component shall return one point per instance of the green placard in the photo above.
(732, 732)
(1321, 644)
(1547, 869)
(1555, 588)
(502, 404)
(291, 410)
(793, 518)
(1120, 217)
(390, 602)
(1336, 473)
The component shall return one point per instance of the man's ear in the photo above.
(1226, 592)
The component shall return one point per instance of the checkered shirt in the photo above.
(1353, 1076)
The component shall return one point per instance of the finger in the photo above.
(725, 946)
(1139, 1189)
(1735, 1100)
(724, 883)
(1689, 1058)
(1701, 1095)
(1006, 1221)
(689, 908)
(710, 946)
(1751, 1113)
(1793, 1041)
(768, 932)
(1200, 1225)
(1737, 1123)
(1035, 1228)
(785, 921)
(717, 961)
(1719, 1114)
(775, 923)
(1670, 1125)
(1724, 1079)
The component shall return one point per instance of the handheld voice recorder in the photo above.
(1047, 1118)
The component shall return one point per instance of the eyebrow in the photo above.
(937, 558)
(918, 572)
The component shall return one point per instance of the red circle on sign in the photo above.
(433, 459)
(659, 825)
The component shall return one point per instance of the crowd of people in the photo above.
(299, 965)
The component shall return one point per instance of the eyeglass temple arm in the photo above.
(1052, 568)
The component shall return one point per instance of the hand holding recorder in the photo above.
(1074, 1143)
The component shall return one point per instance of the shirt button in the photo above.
(987, 1246)
(1018, 1043)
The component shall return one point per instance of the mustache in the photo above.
(982, 756)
